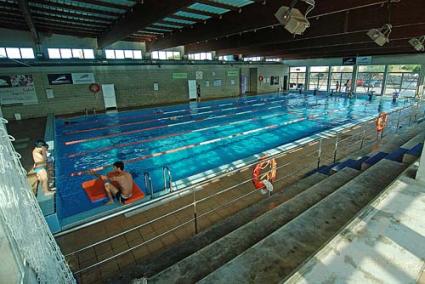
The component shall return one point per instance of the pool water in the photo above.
(189, 138)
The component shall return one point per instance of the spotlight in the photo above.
(418, 43)
(292, 19)
(380, 36)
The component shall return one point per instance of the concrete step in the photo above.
(414, 141)
(275, 257)
(413, 154)
(230, 246)
(157, 263)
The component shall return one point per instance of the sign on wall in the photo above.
(59, 79)
(232, 73)
(179, 75)
(364, 59)
(349, 60)
(199, 75)
(82, 78)
(217, 83)
(17, 89)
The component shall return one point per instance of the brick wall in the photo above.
(133, 86)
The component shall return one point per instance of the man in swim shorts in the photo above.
(118, 183)
(39, 155)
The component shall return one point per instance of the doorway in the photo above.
(253, 75)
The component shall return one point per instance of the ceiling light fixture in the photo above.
(418, 43)
(292, 19)
(380, 36)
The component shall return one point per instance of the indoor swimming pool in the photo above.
(188, 139)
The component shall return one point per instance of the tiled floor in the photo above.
(156, 236)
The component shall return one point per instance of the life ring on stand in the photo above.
(264, 173)
(261, 78)
(381, 121)
(94, 88)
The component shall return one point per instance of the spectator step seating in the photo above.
(225, 249)
(274, 257)
(150, 267)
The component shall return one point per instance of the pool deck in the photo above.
(151, 239)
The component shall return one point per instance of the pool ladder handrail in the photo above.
(148, 183)
(166, 171)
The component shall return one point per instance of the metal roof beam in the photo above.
(256, 16)
(51, 10)
(333, 25)
(199, 12)
(23, 4)
(140, 16)
(219, 5)
(105, 4)
(75, 8)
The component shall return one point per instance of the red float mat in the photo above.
(95, 190)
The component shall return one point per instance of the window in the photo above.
(68, 53)
(297, 77)
(13, 52)
(341, 78)
(252, 58)
(88, 53)
(16, 52)
(402, 79)
(119, 54)
(200, 56)
(3, 53)
(166, 55)
(77, 53)
(123, 54)
(54, 53)
(27, 53)
(370, 78)
(226, 58)
(319, 78)
(273, 59)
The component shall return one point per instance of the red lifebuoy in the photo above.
(270, 174)
(381, 121)
(94, 88)
(260, 78)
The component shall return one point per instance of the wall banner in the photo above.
(232, 73)
(59, 79)
(17, 89)
(349, 60)
(364, 59)
(179, 75)
(199, 75)
(82, 78)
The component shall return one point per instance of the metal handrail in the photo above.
(166, 171)
(147, 178)
(148, 183)
(208, 180)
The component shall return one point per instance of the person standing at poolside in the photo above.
(198, 92)
(39, 155)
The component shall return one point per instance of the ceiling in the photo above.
(248, 27)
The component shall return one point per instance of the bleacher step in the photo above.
(275, 257)
(228, 247)
(156, 264)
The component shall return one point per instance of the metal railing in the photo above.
(344, 140)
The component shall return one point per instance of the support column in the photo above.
(354, 80)
(384, 81)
